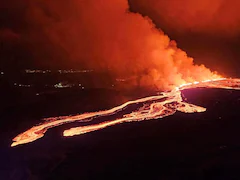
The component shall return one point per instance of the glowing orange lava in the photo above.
(165, 104)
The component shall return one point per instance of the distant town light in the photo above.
(62, 85)
(59, 71)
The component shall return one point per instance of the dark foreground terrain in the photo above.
(183, 146)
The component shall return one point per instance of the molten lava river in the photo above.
(155, 107)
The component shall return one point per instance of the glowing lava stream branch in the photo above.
(171, 102)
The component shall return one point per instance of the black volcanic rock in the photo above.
(183, 146)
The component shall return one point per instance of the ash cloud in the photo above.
(104, 35)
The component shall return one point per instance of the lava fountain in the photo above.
(155, 107)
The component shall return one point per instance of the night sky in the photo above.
(135, 48)
(208, 32)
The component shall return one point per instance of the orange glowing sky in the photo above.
(215, 17)
(106, 36)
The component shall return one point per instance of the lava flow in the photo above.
(156, 107)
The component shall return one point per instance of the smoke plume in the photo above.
(105, 35)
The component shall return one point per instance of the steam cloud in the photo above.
(105, 35)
